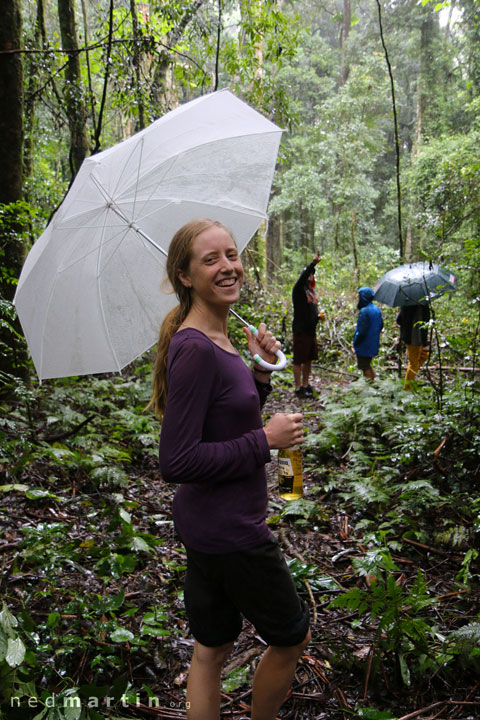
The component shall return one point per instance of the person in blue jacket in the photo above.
(366, 339)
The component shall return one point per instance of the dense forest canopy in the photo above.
(379, 103)
(97, 72)
(379, 165)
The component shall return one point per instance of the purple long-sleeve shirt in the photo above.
(213, 444)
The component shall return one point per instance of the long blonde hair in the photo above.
(179, 256)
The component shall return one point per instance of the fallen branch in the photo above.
(310, 696)
(371, 654)
(243, 659)
(331, 370)
(7, 546)
(439, 448)
(423, 710)
(453, 594)
(300, 557)
(165, 713)
(312, 599)
(440, 704)
(68, 433)
(445, 553)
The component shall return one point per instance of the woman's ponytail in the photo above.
(170, 325)
(179, 255)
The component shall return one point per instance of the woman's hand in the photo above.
(265, 344)
(284, 430)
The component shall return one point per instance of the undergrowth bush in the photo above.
(402, 466)
(397, 453)
(404, 472)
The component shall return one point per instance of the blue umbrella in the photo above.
(414, 283)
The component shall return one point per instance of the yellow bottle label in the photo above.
(290, 473)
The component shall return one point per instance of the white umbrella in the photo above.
(90, 296)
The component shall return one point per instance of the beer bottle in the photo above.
(290, 473)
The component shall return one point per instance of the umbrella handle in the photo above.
(282, 360)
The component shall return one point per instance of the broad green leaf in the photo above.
(39, 493)
(72, 707)
(53, 619)
(3, 646)
(122, 635)
(154, 631)
(61, 453)
(125, 516)
(404, 669)
(139, 545)
(41, 714)
(235, 679)
(7, 621)
(15, 652)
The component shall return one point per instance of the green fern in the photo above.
(465, 643)
(466, 638)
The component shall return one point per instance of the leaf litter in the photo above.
(93, 567)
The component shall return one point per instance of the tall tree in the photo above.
(11, 102)
(73, 94)
(165, 56)
(33, 73)
(137, 64)
(11, 151)
(471, 29)
(346, 22)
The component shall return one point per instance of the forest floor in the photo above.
(324, 687)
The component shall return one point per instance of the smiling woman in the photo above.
(214, 446)
(215, 276)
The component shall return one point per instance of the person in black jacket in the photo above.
(413, 321)
(305, 319)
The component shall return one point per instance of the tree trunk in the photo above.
(91, 94)
(31, 89)
(470, 23)
(428, 81)
(425, 106)
(273, 249)
(12, 250)
(74, 102)
(137, 63)
(11, 103)
(281, 238)
(347, 20)
(408, 251)
(356, 265)
(249, 12)
(164, 60)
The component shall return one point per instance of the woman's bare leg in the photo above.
(203, 684)
(273, 679)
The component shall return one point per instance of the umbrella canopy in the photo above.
(412, 284)
(90, 296)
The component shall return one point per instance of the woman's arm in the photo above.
(184, 454)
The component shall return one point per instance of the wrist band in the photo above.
(262, 372)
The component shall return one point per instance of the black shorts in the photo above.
(256, 584)
(364, 363)
(305, 348)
